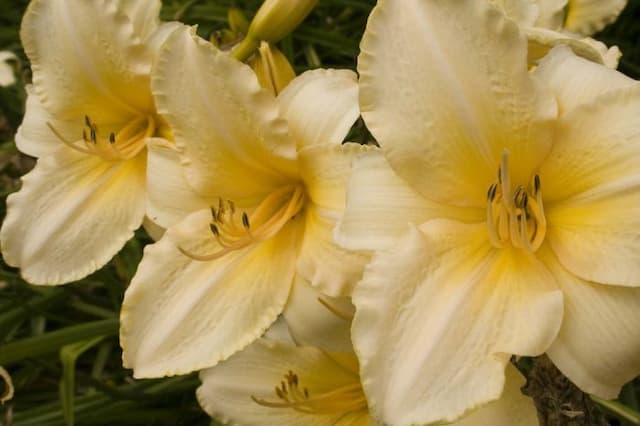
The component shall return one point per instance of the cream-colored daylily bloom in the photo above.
(522, 194)
(89, 114)
(7, 75)
(270, 174)
(275, 382)
(549, 23)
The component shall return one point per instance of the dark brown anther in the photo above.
(491, 194)
(84, 135)
(516, 195)
(536, 184)
(112, 138)
(306, 393)
(93, 135)
(214, 230)
(294, 380)
(245, 220)
(279, 393)
(214, 215)
(87, 121)
(524, 201)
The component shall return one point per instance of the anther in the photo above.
(87, 121)
(536, 183)
(491, 194)
(112, 138)
(214, 230)
(524, 202)
(214, 215)
(94, 138)
(245, 220)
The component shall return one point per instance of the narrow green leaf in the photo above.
(53, 341)
(68, 355)
(619, 410)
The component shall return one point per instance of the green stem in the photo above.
(618, 409)
(53, 341)
(245, 48)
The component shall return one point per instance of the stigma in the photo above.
(291, 394)
(124, 144)
(515, 216)
(234, 230)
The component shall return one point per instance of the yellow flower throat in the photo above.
(344, 399)
(515, 217)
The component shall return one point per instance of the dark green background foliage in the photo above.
(60, 343)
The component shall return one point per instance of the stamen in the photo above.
(271, 215)
(124, 145)
(343, 399)
(516, 217)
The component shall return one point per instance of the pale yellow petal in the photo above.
(143, 14)
(599, 341)
(512, 405)
(542, 40)
(330, 268)
(380, 205)
(315, 319)
(325, 170)
(34, 137)
(170, 198)
(8, 392)
(72, 214)
(233, 142)
(180, 315)
(590, 16)
(320, 106)
(524, 12)
(438, 317)
(577, 81)
(7, 74)
(551, 14)
(444, 115)
(592, 182)
(100, 68)
(227, 389)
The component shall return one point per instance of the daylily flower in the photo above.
(268, 176)
(549, 23)
(505, 219)
(88, 117)
(275, 382)
(7, 76)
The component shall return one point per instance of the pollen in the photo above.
(234, 231)
(515, 216)
(128, 142)
(291, 394)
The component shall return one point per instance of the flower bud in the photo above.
(272, 68)
(277, 18)
(238, 23)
